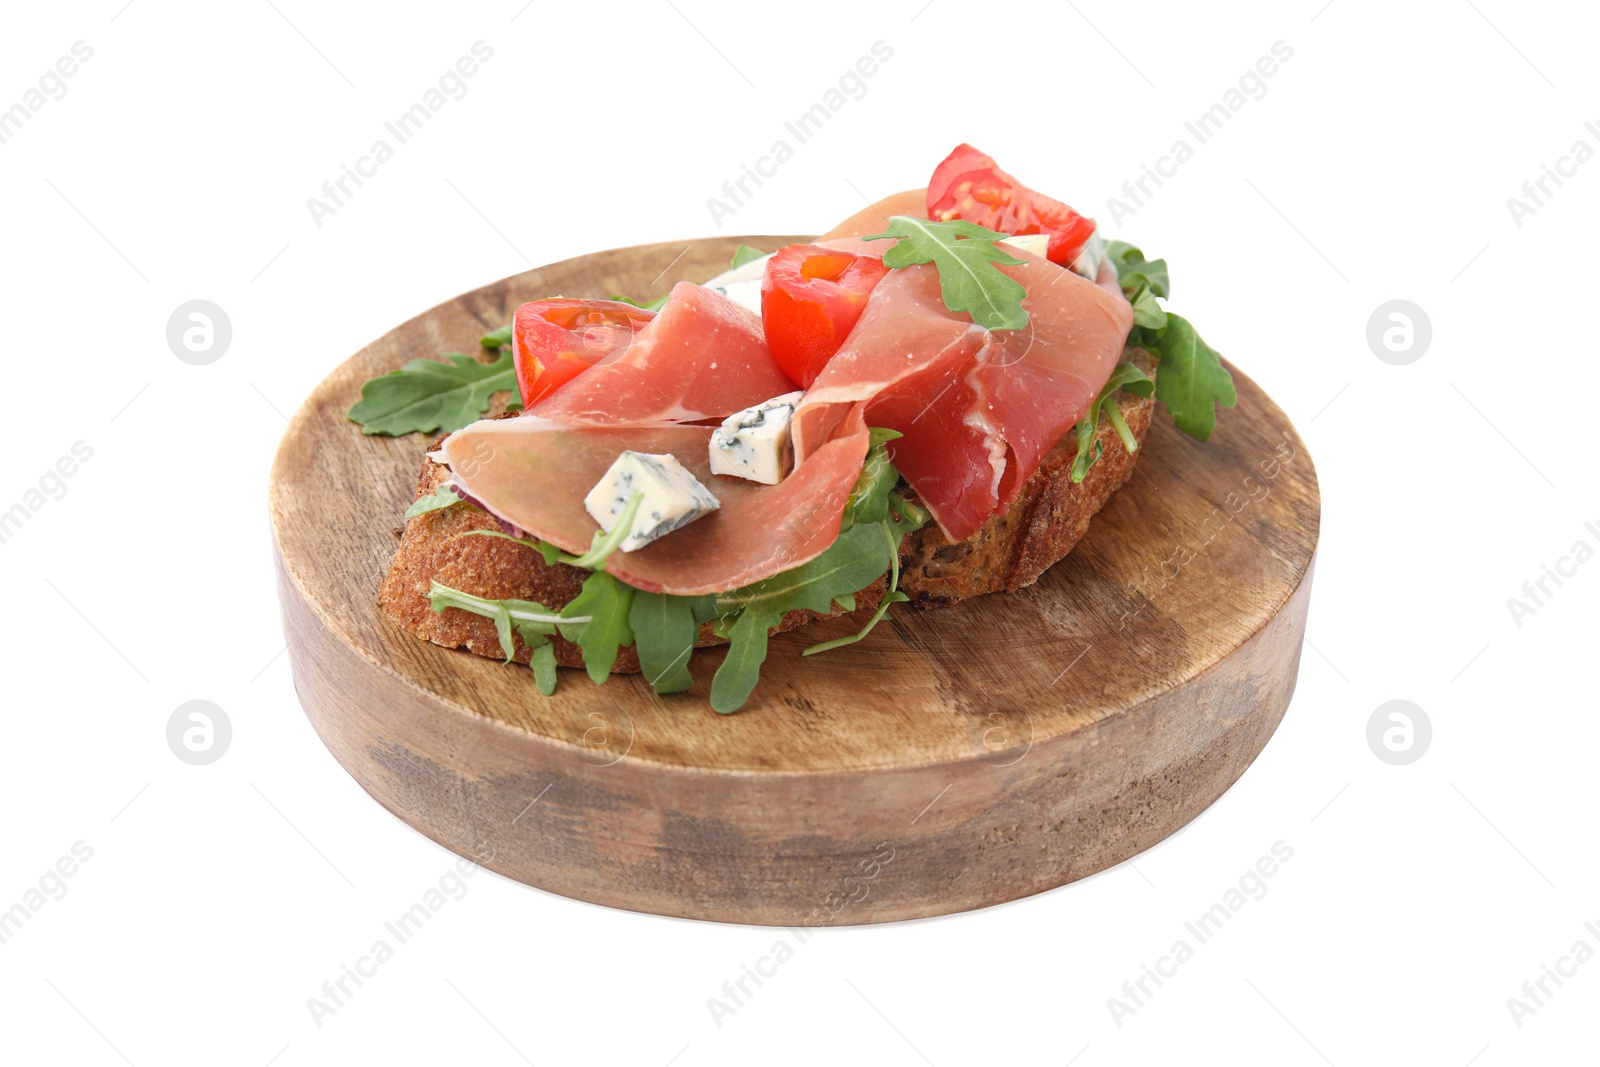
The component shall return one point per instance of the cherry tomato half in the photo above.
(553, 341)
(811, 298)
(970, 185)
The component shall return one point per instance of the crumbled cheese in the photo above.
(1087, 263)
(1035, 244)
(1089, 260)
(746, 294)
(754, 443)
(672, 497)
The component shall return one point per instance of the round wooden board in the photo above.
(956, 758)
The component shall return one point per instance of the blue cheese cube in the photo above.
(754, 443)
(672, 497)
(1089, 260)
(1087, 263)
(742, 285)
(752, 271)
(746, 294)
(1035, 244)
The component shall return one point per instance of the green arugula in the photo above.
(598, 622)
(869, 498)
(1191, 380)
(1134, 270)
(426, 396)
(1147, 310)
(892, 596)
(442, 497)
(665, 631)
(965, 255)
(855, 560)
(603, 544)
(543, 664)
(600, 547)
(744, 254)
(741, 667)
(531, 621)
(654, 305)
(1126, 376)
(863, 551)
(495, 340)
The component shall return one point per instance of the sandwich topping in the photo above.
(754, 443)
(977, 408)
(647, 497)
(736, 451)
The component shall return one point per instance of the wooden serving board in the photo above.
(955, 759)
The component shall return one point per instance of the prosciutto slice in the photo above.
(532, 473)
(701, 357)
(978, 409)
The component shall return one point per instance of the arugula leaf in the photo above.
(869, 498)
(1134, 270)
(604, 543)
(1191, 380)
(744, 254)
(905, 511)
(532, 621)
(1147, 310)
(543, 665)
(892, 596)
(496, 338)
(603, 606)
(965, 255)
(654, 305)
(442, 497)
(665, 629)
(1126, 376)
(854, 561)
(426, 396)
(881, 435)
(741, 669)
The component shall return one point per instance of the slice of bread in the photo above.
(434, 548)
(1011, 550)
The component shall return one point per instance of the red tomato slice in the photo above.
(554, 341)
(970, 185)
(811, 298)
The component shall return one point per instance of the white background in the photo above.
(1376, 166)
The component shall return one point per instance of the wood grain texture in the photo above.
(954, 759)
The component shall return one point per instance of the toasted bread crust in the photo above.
(1050, 515)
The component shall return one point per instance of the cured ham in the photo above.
(701, 357)
(977, 409)
(872, 219)
(532, 473)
